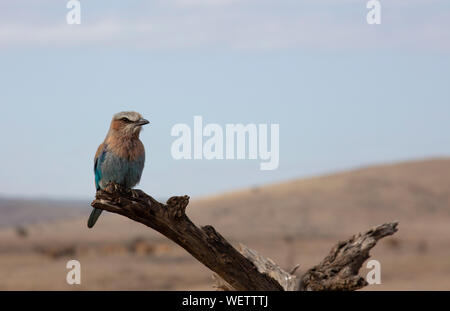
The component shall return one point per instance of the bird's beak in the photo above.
(142, 122)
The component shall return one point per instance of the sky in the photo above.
(344, 93)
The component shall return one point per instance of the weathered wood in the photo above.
(205, 244)
(339, 270)
(244, 269)
(288, 281)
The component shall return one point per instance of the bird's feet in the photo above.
(113, 187)
(135, 193)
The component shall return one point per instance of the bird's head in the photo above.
(128, 123)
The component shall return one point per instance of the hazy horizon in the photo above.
(57, 199)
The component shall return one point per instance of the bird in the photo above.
(121, 156)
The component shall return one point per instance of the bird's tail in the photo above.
(95, 214)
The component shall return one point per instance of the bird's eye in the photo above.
(125, 120)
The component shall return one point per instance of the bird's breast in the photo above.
(126, 148)
(125, 171)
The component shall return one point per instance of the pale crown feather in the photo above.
(130, 115)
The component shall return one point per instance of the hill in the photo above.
(294, 222)
(21, 212)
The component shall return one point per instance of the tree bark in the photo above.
(243, 270)
(339, 270)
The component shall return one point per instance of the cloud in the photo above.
(184, 3)
(243, 25)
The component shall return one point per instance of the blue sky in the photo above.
(345, 93)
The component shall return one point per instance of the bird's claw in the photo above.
(134, 193)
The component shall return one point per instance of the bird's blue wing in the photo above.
(98, 167)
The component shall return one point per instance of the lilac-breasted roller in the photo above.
(120, 158)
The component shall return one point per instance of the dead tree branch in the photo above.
(244, 269)
(339, 270)
(205, 244)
